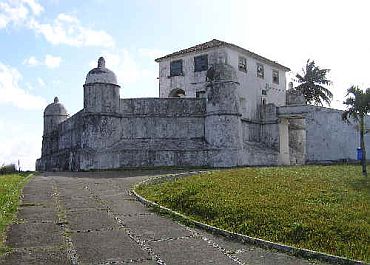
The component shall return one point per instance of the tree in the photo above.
(312, 84)
(358, 105)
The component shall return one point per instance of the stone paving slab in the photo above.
(90, 220)
(70, 193)
(37, 214)
(95, 247)
(189, 251)
(152, 227)
(128, 207)
(37, 198)
(112, 195)
(32, 256)
(34, 235)
(81, 203)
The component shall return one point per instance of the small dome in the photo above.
(55, 108)
(101, 74)
(221, 72)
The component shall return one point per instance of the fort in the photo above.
(220, 105)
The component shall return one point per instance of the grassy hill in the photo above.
(323, 208)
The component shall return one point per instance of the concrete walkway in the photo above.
(91, 218)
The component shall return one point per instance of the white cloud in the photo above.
(36, 8)
(31, 61)
(52, 61)
(18, 11)
(49, 61)
(67, 29)
(11, 93)
(12, 12)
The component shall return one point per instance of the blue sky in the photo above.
(48, 46)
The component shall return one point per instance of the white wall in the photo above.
(329, 138)
(251, 86)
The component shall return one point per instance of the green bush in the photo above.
(7, 169)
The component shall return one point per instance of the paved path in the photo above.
(91, 218)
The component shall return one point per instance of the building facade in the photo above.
(219, 106)
(261, 81)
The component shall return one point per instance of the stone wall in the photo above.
(148, 132)
(60, 146)
(329, 138)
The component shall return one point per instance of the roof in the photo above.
(216, 44)
(55, 109)
(101, 74)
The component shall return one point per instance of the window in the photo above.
(264, 92)
(200, 94)
(242, 64)
(275, 76)
(176, 68)
(260, 71)
(201, 63)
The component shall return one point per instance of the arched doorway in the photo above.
(177, 93)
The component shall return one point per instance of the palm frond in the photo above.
(312, 82)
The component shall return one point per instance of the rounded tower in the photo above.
(223, 116)
(101, 92)
(54, 114)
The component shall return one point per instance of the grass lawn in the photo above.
(10, 190)
(322, 208)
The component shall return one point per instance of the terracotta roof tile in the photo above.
(217, 43)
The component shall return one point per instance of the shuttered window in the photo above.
(275, 76)
(260, 71)
(201, 63)
(176, 68)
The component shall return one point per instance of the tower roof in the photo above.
(55, 109)
(217, 43)
(101, 74)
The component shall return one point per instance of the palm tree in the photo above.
(312, 84)
(358, 105)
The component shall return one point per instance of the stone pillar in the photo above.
(297, 141)
(223, 117)
(284, 141)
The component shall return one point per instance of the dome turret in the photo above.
(101, 74)
(54, 114)
(55, 109)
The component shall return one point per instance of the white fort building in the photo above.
(220, 105)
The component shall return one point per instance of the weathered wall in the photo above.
(251, 130)
(60, 146)
(251, 86)
(148, 132)
(102, 98)
(190, 81)
(329, 138)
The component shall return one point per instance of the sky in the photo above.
(48, 46)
